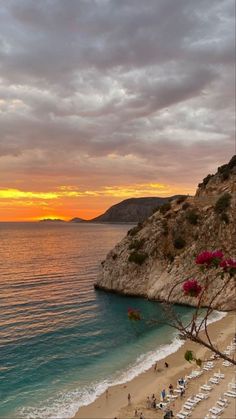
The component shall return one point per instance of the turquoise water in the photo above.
(61, 342)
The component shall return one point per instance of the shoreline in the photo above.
(148, 382)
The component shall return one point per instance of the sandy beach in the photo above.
(115, 403)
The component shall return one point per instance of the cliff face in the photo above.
(160, 252)
(134, 210)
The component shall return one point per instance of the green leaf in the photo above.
(189, 356)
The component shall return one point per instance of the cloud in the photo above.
(107, 92)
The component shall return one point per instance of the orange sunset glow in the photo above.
(66, 203)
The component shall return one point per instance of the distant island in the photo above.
(52, 220)
(78, 220)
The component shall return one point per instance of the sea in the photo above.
(62, 343)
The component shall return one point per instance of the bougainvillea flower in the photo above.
(204, 258)
(134, 314)
(209, 258)
(192, 288)
(229, 265)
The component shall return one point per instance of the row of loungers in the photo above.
(190, 404)
(222, 402)
(220, 405)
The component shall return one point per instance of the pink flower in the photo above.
(204, 258)
(209, 258)
(192, 288)
(218, 254)
(229, 265)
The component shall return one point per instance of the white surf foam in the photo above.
(68, 403)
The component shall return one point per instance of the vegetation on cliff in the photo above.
(172, 237)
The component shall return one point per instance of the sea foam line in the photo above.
(68, 403)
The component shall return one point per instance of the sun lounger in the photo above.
(223, 400)
(216, 410)
(188, 407)
(230, 395)
(226, 363)
(219, 375)
(221, 404)
(193, 401)
(214, 381)
(202, 396)
(185, 414)
(182, 415)
(206, 387)
(190, 403)
(232, 392)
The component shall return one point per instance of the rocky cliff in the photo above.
(161, 251)
(134, 210)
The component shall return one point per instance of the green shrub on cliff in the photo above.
(192, 216)
(138, 257)
(223, 203)
(179, 242)
(165, 207)
(136, 244)
(133, 231)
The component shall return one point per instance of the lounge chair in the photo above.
(229, 395)
(216, 410)
(232, 392)
(202, 396)
(221, 404)
(219, 375)
(206, 387)
(177, 390)
(222, 399)
(214, 381)
(182, 415)
(188, 406)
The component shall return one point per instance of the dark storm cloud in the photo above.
(83, 80)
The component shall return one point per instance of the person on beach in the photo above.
(168, 414)
(141, 416)
(171, 389)
(107, 393)
(181, 381)
(154, 404)
(163, 394)
(155, 367)
(135, 413)
(166, 365)
(129, 399)
(182, 392)
(153, 397)
(148, 403)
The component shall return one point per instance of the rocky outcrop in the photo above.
(134, 210)
(156, 255)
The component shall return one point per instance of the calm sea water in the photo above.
(61, 342)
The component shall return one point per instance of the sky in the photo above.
(103, 100)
